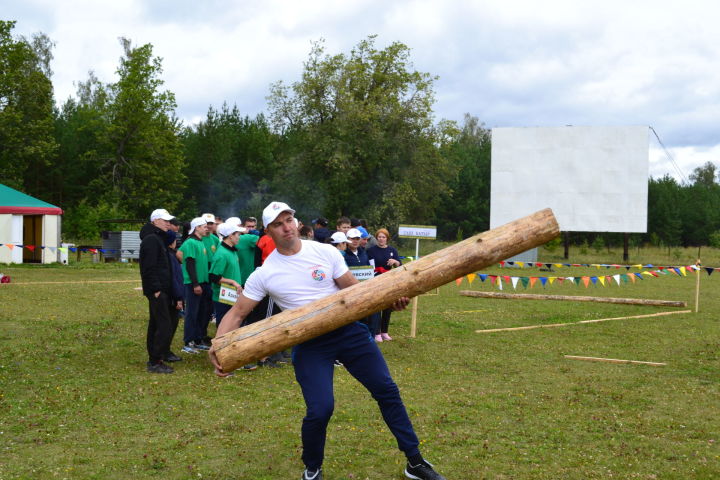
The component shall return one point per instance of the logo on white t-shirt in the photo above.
(318, 275)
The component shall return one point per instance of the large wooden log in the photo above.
(247, 344)
(574, 298)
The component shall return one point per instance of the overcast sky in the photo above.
(509, 63)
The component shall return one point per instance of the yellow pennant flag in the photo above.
(520, 264)
(602, 280)
(551, 280)
(471, 277)
(683, 271)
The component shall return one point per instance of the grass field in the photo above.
(76, 402)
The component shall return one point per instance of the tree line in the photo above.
(354, 136)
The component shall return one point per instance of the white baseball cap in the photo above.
(209, 217)
(353, 233)
(227, 229)
(160, 213)
(272, 211)
(196, 222)
(338, 237)
(233, 221)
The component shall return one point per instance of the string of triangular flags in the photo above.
(32, 248)
(586, 280)
(640, 266)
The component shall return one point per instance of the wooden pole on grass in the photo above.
(574, 298)
(614, 360)
(260, 339)
(697, 287)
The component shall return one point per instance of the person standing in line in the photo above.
(211, 239)
(156, 276)
(178, 291)
(385, 258)
(340, 241)
(299, 272)
(198, 294)
(321, 233)
(225, 268)
(356, 256)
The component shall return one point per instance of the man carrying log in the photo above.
(297, 273)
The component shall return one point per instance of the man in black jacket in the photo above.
(156, 274)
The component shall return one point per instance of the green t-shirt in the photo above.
(194, 248)
(211, 242)
(225, 263)
(246, 255)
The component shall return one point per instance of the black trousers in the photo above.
(160, 326)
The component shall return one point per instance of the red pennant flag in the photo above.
(458, 281)
(30, 247)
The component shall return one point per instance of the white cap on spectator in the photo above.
(272, 211)
(196, 222)
(209, 217)
(233, 221)
(338, 237)
(227, 229)
(160, 213)
(353, 233)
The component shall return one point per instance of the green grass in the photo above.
(76, 402)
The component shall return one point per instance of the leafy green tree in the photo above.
(230, 162)
(359, 135)
(142, 162)
(465, 208)
(704, 175)
(27, 145)
(80, 130)
(664, 217)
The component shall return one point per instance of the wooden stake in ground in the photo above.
(291, 327)
(614, 360)
(574, 298)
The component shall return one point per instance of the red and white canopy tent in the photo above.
(29, 228)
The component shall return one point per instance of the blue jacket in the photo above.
(178, 290)
(358, 260)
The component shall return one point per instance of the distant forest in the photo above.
(354, 136)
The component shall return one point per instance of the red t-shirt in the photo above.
(266, 245)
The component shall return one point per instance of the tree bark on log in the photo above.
(573, 298)
(274, 334)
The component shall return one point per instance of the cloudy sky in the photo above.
(509, 63)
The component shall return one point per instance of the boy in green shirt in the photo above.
(198, 294)
(225, 268)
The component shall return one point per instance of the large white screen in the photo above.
(594, 178)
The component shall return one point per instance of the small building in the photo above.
(29, 228)
(123, 246)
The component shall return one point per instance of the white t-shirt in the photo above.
(294, 280)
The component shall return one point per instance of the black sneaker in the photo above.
(423, 471)
(278, 358)
(250, 366)
(269, 363)
(315, 475)
(159, 368)
(171, 357)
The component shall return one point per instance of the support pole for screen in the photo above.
(413, 320)
(417, 232)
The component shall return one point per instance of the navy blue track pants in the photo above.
(314, 369)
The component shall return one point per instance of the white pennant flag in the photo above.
(514, 282)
